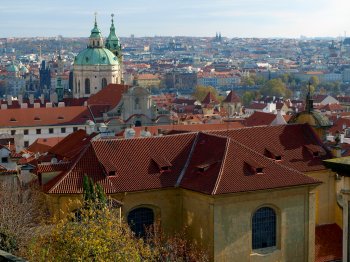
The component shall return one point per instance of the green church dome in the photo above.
(96, 56)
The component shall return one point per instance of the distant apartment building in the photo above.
(148, 80)
(218, 79)
(180, 80)
(346, 75)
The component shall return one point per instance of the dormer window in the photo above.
(60, 118)
(12, 119)
(252, 167)
(36, 118)
(112, 173)
(315, 150)
(163, 164)
(273, 154)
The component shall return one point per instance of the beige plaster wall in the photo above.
(232, 226)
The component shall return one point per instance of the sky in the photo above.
(233, 18)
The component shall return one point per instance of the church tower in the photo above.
(96, 66)
(113, 43)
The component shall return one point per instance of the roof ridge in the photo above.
(272, 161)
(222, 166)
(70, 169)
(188, 161)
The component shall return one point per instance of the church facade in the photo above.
(97, 66)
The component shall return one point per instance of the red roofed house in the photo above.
(247, 194)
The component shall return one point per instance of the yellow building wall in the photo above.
(325, 196)
(198, 219)
(222, 224)
(232, 226)
(166, 205)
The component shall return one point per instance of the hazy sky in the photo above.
(243, 18)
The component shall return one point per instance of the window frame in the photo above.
(276, 244)
(141, 232)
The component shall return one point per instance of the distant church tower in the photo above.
(113, 43)
(95, 67)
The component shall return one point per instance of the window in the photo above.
(25, 132)
(13, 132)
(87, 86)
(139, 219)
(26, 143)
(264, 228)
(50, 130)
(75, 129)
(4, 160)
(104, 82)
(63, 130)
(38, 131)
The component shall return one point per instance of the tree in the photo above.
(97, 235)
(275, 87)
(247, 98)
(314, 81)
(201, 92)
(247, 81)
(21, 211)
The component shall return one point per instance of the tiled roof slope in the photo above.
(45, 116)
(293, 142)
(227, 169)
(232, 97)
(133, 161)
(203, 162)
(110, 95)
(328, 243)
(72, 144)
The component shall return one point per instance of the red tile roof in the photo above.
(110, 95)
(42, 145)
(257, 106)
(44, 116)
(329, 239)
(209, 99)
(72, 144)
(287, 139)
(217, 161)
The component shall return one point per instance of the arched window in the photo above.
(264, 228)
(87, 86)
(139, 219)
(104, 82)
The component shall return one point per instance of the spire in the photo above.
(309, 101)
(95, 39)
(95, 19)
(112, 41)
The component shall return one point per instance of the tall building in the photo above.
(95, 67)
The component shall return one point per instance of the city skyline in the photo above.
(251, 18)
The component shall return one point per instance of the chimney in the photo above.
(9, 100)
(36, 105)
(61, 104)
(24, 105)
(20, 99)
(31, 99)
(3, 106)
(42, 99)
(53, 97)
(48, 105)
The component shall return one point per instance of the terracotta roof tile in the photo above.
(110, 95)
(328, 243)
(289, 139)
(45, 116)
